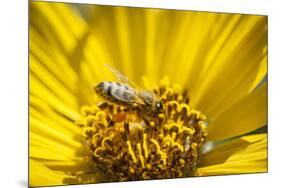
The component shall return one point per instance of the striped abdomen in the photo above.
(116, 92)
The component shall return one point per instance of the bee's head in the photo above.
(159, 106)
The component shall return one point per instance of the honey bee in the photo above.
(127, 94)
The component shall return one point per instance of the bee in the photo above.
(127, 94)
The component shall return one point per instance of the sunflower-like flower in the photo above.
(207, 69)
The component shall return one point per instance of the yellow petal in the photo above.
(88, 178)
(53, 59)
(231, 66)
(45, 17)
(151, 17)
(222, 152)
(249, 157)
(235, 168)
(45, 148)
(40, 175)
(69, 166)
(41, 151)
(39, 90)
(74, 23)
(50, 82)
(247, 115)
(121, 16)
(117, 39)
(50, 131)
(262, 72)
(188, 47)
(46, 112)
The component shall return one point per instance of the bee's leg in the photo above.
(126, 109)
(134, 106)
(146, 121)
(139, 114)
(103, 105)
(111, 123)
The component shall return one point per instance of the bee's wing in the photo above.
(122, 78)
(147, 96)
(125, 95)
(128, 95)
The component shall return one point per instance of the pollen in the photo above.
(125, 146)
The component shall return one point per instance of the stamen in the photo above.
(130, 149)
(140, 155)
(127, 146)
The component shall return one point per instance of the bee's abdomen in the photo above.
(104, 89)
(114, 91)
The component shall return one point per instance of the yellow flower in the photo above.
(208, 69)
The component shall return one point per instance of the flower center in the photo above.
(126, 146)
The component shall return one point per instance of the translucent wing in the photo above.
(124, 95)
(122, 78)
